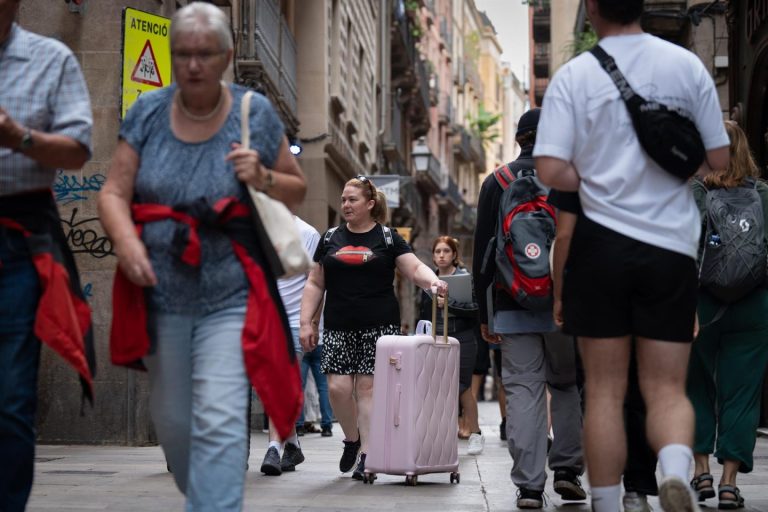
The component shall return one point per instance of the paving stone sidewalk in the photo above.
(83, 478)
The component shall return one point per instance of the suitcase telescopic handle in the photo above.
(445, 318)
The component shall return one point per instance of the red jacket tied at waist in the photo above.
(63, 318)
(267, 342)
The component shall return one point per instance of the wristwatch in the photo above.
(26, 140)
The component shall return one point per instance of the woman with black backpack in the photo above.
(730, 354)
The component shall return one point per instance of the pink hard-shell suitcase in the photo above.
(415, 407)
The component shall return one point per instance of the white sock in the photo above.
(606, 499)
(294, 440)
(274, 444)
(675, 460)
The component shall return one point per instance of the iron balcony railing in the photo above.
(478, 152)
(451, 192)
(268, 41)
(461, 145)
(423, 83)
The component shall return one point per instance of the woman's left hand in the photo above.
(247, 164)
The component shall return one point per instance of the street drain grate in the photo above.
(75, 472)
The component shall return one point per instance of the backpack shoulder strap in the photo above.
(329, 234)
(504, 176)
(388, 239)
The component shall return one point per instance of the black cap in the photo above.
(528, 121)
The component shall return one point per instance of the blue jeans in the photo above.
(19, 361)
(311, 361)
(198, 399)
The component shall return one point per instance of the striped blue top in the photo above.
(41, 88)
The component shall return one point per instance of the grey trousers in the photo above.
(530, 362)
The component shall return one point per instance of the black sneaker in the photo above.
(300, 430)
(349, 457)
(326, 432)
(271, 464)
(528, 498)
(568, 485)
(359, 471)
(292, 457)
(503, 429)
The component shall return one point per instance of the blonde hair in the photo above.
(741, 164)
(379, 210)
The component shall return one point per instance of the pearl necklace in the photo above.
(204, 117)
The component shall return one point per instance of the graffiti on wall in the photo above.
(83, 237)
(69, 188)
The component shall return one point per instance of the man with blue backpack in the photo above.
(514, 233)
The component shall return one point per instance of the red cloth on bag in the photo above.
(268, 355)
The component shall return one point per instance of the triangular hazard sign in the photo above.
(146, 70)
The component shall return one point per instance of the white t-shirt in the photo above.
(292, 288)
(584, 121)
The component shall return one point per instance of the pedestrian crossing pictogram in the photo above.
(146, 70)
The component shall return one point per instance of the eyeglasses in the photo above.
(362, 178)
(201, 57)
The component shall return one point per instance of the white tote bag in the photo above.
(276, 218)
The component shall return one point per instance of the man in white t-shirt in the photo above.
(631, 269)
(290, 290)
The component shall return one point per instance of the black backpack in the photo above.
(733, 261)
(525, 230)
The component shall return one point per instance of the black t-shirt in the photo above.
(359, 272)
(565, 201)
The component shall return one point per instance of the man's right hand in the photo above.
(11, 132)
(557, 313)
(487, 336)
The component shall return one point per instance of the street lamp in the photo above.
(421, 156)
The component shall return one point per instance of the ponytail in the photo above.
(380, 210)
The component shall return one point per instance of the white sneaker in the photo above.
(635, 502)
(677, 496)
(476, 444)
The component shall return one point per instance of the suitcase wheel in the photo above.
(455, 478)
(411, 480)
(368, 478)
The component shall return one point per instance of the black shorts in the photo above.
(617, 286)
(482, 358)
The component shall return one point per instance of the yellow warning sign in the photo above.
(146, 54)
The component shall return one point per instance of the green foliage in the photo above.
(412, 7)
(485, 125)
(583, 43)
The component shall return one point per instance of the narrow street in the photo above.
(134, 479)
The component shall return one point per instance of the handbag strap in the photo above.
(245, 115)
(633, 100)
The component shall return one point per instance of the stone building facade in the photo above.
(361, 85)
